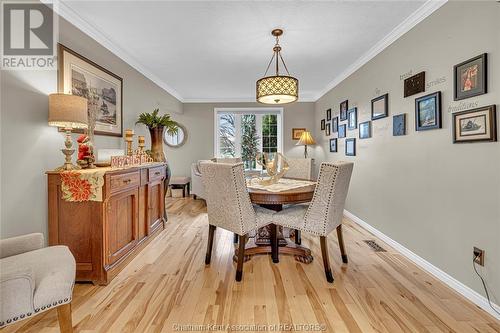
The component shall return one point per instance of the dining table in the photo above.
(261, 243)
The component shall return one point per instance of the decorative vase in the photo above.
(157, 144)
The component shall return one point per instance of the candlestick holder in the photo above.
(129, 138)
(141, 144)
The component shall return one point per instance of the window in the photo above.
(245, 132)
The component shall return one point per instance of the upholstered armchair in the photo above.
(300, 168)
(229, 206)
(325, 211)
(196, 184)
(34, 279)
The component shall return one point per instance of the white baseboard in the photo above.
(450, 281)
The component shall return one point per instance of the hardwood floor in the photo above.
(168, 284)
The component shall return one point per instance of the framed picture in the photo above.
(323, 122)
(297, 132)
(470, 77)
(350, 147)
(415, 84)
(335, 124)
(327, 129)
(333, 145)
(365, 130)
(342, 131)
(78, 75)
(352, 118)
(399, 124)
(343, 110)
(475, 125)
(380, 107)
(328, 114)
(428, 112)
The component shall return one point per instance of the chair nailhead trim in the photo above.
(11, 320)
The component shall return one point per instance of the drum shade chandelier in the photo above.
(277, 89)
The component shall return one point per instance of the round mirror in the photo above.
(176, 140)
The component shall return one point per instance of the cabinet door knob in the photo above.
(157, 173)
(126, 181)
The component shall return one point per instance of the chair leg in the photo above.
(341, 244)
(235, 239)
(211, 232)
(274, 243)
(64, 317)
(326, 261)
(298, 238)
(241, 257)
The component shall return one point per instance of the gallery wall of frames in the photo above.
(470, 79)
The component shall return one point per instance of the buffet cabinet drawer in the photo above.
(124, 181)
(156, 174)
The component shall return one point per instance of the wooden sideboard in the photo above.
(105, 235)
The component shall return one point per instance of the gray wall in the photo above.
(434, 197)
(29, 146)
(199, 120)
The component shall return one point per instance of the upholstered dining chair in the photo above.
(300, 168)
(229, 206)
(34, 279)
(325, 211)
(197, 189)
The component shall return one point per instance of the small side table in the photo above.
(181, 183)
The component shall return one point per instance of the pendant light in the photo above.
(277, 89)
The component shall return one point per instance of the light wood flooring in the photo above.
(168, 284)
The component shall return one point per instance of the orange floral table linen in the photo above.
(82, 185)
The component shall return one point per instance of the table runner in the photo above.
(284, 184)
(83, 185)
(86, 184)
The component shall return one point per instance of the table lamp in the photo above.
(68, 112)
(306, 139)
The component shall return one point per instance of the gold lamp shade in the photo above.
(306, 139)
(67, 111)
(277, 89)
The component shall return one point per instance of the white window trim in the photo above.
(250, 110)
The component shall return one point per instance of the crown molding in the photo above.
(72, 17)
(239, 100)
(411, 21)
(418, 16)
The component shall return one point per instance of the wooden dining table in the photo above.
(261, 243)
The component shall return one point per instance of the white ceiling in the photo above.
(216, 50)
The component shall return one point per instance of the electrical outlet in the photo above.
(480, 258)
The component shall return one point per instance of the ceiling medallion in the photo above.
(277, 89)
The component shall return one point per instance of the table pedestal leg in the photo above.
(261, 243)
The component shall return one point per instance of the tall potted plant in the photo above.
(157, 125)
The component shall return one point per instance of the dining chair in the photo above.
(300, 168)
(229, 206)
(325, 211)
